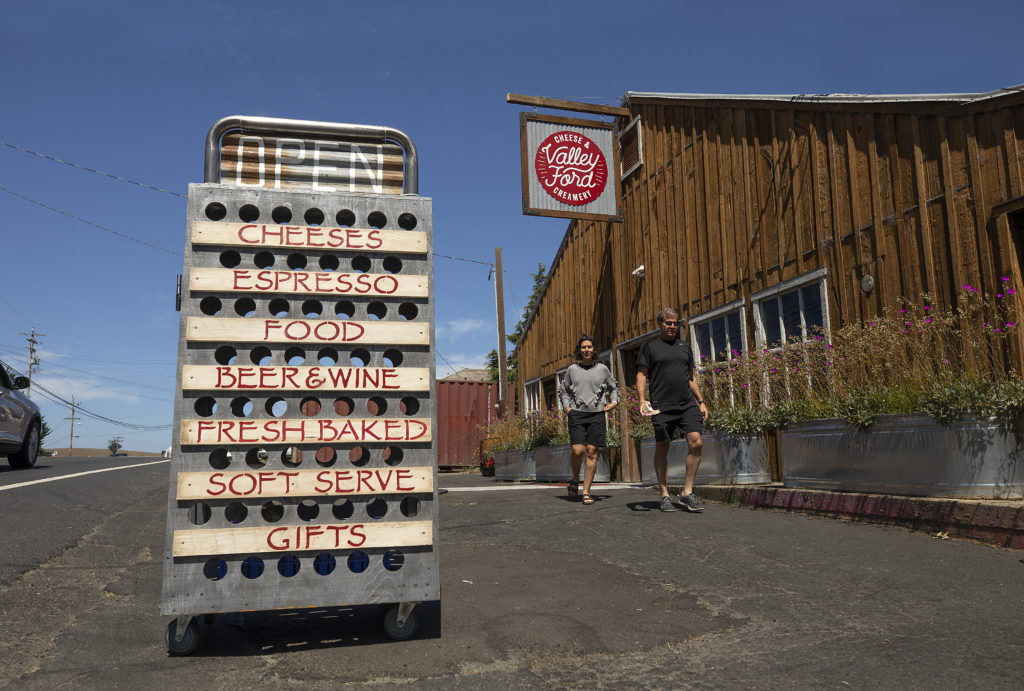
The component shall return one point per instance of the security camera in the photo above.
(639, 271)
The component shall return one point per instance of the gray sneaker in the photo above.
(690, 503)
(667, 505)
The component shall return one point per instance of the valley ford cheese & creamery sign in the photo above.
(566, 167)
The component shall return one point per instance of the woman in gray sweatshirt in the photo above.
(582, 394)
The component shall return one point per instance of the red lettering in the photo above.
(324, 476)
(355, 327)
(215, 481)
(323, 328)
(248, 426)
(246, 373)
(240, 278)
(311, 532)
(375, 240)
(287, 475)
(241, 235)
(389, 283)
(404, 475)
(266, 476)
(337, 530)
(368, 432)
(279, 546)
(269, 324)
(223, 372)
(356, 531)
(234, 490)
(342, 476)
(314, 234)
(288, 376)
(336, 237)
(313, 378)
(387, 374)
(301, 333)
(385, 481)
(204, 426)
(409, 426)
(326, 426)
(363, 476)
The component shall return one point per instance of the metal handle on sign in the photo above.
(410, 181)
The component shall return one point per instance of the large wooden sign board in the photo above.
(303, 469)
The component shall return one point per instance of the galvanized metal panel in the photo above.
(554, 464)
(463, 408)
(906, 454)
(302, 572)
(725, 460)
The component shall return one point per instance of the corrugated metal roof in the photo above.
(826, 98)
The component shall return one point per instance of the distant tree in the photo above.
(491, 362)
(115, 445)
(44, 432)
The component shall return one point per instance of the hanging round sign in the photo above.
(571, 168)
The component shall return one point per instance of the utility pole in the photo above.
(32, 359)
(499, 300)
(71, 441)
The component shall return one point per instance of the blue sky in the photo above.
(131, 88)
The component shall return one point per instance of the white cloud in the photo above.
(457, 362)
(82, 389)
(455, 328)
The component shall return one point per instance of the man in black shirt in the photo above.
(667, 364)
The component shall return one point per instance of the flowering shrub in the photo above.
(915, 357)
(640, 426)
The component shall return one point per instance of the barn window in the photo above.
(532, 396)
(796, 310)
(631, 148)
(720, 334)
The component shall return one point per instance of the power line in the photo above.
(92, 170)
(463, 259)
(97, 225)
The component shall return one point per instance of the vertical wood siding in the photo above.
(734, 197)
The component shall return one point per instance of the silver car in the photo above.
(20, 421)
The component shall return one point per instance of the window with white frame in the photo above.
(531, 397)
(719, 334)
(796, 310)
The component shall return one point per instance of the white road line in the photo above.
(495, 488)
(87, 472)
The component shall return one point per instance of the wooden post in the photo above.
(499, 300)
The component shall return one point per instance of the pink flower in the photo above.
(928, 320)
(1004, 278)
(927, 307)
(1011, 291)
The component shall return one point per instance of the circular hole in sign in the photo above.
(308, 510)
(393, 560)
(360, 357)
(408, 311)
(343, 509)
(376, 310)
(358, 455)
(329, 262)
(328, 357)
(344, 309)
(361, 264)
(199, 513)
(241, 407)
(245, 307)
(260, 355)
(295, 356)
(215, 568)
(357, 562)
(314, 217)
(256, 458)
(215, 211)
(377, 509)
(292, 456)
(392, 265)
(205, 406)
(235, 512)
(278, 307)
(326, 456)
(377, 219)
(229, 259)
(309, 406)
(344, 406)
(225, 355)
(324, 564)
(296, 262)
(410, 506)
(281, 214)
(220, 458)
(288, 565)
(376, 406)
(252, 567)
(210, 306)
(263, 260)
(312, 309)
(406, 221)
(393, 455)
(345, 218)
(273, 511)
(409, 405)
(249, 213)
(393, 357)
(276, 407)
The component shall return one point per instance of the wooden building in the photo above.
(743, 208)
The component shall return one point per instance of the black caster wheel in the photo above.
(189, 641)
(404, 632)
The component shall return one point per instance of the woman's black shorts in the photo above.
(687, 418)
(586, 428)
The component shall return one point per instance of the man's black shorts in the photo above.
(686, 418)
(586, 428)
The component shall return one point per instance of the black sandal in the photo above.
(573, 488)
(588, 500)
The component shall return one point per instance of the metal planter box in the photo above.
(554, 464)
(726, 459)
(514, 464)
(906, 454)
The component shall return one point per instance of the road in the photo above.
(538, 592)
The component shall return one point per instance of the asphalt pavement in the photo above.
(539, 591)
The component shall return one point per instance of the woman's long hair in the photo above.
(576, 350)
